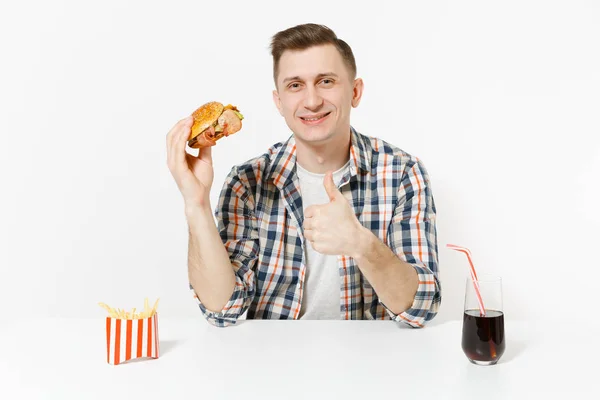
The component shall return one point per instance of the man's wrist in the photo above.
(363, 243)
(194, 212)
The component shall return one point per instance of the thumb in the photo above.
(332, 190)
(205, 154)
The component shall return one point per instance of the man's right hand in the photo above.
(209, 269)
(193, 175)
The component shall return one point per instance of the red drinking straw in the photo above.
(474, 279)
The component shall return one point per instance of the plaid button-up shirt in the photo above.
(260, 220)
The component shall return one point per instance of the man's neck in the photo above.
(320, 158)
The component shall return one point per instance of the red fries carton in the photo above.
(131, 335)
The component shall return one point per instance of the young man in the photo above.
(330, 224)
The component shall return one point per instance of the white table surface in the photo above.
(66, 359)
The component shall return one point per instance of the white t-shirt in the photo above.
(321, 297)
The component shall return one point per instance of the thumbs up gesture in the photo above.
(332, 228)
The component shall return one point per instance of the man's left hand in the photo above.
(332, 228)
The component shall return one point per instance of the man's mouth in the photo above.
(315, 118)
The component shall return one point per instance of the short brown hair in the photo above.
(302, 37)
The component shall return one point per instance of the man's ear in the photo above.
(357, 92)
(277, 102)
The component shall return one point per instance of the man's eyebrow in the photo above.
(292, 78)
(319, 76)
(322, 75)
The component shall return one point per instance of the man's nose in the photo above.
(313, 100)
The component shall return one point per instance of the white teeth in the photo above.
(314, 119)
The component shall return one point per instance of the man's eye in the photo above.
(327, 81)
(294, 86)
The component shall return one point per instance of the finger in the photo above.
(182, 126)
(181, 142)
(178, 152)
(307, 224)
(330, 188)
(310, 212)
(176, 129)
(320, 248)
(308, 235)
(205, 154)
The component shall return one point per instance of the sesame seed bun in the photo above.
(205, 116)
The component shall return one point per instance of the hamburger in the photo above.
(213, 121)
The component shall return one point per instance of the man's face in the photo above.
(315, 93)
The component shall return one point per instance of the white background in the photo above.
(499, 99)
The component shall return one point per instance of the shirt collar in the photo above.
(284, 158)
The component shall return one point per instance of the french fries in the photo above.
(122, 314)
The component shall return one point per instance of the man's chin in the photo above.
(313, 137)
